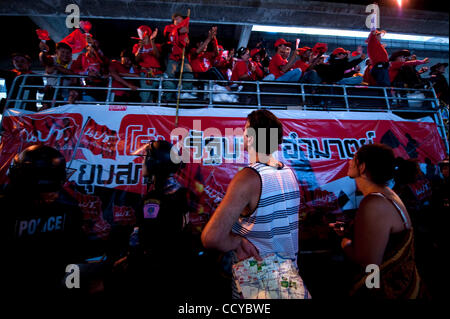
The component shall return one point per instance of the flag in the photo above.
(76, 40)
(42, 34)
(184, 23)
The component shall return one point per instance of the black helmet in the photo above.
(39, 167)
(158, 159)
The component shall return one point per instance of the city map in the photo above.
(274, 277)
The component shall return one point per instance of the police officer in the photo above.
(41, 228)
(165, 211)
(163, 217)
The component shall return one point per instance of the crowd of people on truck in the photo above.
(208, 60)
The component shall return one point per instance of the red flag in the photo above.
(184, 23)
(76, 40)
(86, 26)
(42, 34)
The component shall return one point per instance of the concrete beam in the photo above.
(246, 31)
(268, 12)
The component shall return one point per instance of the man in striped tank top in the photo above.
(259, 212)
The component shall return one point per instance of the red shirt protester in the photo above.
(375, 50)
(368, 78)
(86, 62)
(302, 65)
(225, 63)
(201, 62)
(177, 40)
(241, 68)
(119, 68)
(148, 59)
(274, 65)
(395, 67)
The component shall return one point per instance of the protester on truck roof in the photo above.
(124, 68)
(94, 64)
(245, 69)
(203, 56)
(304, 60)
(260, 57)
(401, 69)
(367, 76)
(147, 53)
(338, 63)
(280, 68)
(22, 65)
(225, 61)
(177, 39)
(58, 64)
(379, 58)
(439, 81)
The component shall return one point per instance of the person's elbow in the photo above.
(210, 240)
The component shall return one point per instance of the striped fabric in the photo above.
(273, 226)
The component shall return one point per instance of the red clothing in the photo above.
(224, 65)
(176, 40)
(241, 68)
(395, 67)
(375, 50)
(119, 68)
(275, 64)
(201, 62)
(302, 65)
(85, 63)
(368, 78)
(148, 58)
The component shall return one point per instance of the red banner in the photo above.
(100, 145)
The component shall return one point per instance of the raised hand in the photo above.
(43, 47)
(154, 34)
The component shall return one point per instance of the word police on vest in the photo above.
(31, 226)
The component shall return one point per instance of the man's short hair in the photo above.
(63, 45)
(264, 119)
(23, 55)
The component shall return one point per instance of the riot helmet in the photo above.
(39, 168)
(161, 159)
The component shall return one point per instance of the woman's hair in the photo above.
(241, 51)
(379, 160)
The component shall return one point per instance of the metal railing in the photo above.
(405, 102)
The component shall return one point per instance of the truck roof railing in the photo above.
(405, 102)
